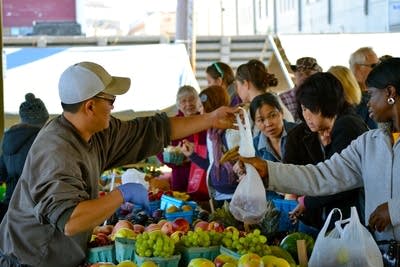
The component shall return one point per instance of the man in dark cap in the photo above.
(305, 67)
(55, 205)
(17, 142)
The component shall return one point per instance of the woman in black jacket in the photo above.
(329, 125)
(16, 143)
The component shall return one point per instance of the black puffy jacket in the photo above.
(16, 144)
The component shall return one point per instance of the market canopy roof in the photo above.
(156, 71)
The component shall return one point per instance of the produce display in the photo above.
(178, 232)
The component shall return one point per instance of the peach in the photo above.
(201, 224)
(122, 224)
(152, 227)
(180, 224)
(138, 228)
(167, 228)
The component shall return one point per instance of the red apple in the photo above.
(167, 228)
(180, 224)
(201, 224)
(216, 226)
(152, 227)
(138, 228)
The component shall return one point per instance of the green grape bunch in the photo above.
(253, 242)
(154, 244)
(196, 238)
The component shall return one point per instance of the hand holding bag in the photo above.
(348, 244)
(249, 203)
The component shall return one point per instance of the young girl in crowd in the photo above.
(252, 79)
(220, 73)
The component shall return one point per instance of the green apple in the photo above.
(250, 260)
(126, 264)
(148, 264)
(273, 261)
(201, 262)
(222, 259)
(125, 233)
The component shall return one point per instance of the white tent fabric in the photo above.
(156, 72)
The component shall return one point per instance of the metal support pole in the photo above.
(185, 29)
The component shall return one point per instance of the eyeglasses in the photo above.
(270, 117)
(369, 65)
(109, 98)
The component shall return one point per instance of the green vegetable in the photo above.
(289, 243)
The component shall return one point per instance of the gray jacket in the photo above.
(370, 161)
(62, 170)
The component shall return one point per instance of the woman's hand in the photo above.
(187, 148)
(380, 218)
(297, 212)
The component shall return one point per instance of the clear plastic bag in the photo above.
(348, 244)
(249, 201)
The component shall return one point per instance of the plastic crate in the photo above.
(173, 157)
(168, 201)
(172, 261)
(101, 254)
(227, 251)
(154, 205)
(187, 215)
(284, 206)
(197, 252)
(124, 249)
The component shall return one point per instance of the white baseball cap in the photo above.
(84, 80)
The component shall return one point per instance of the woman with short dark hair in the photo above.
(329, 125)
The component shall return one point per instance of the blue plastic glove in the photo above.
(135, 193)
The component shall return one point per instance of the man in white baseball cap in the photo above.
(84, 80)
(55, 205)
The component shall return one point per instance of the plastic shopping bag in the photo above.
(348, 244)
(249, 202)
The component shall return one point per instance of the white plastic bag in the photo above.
(249, 202)
(349, 244)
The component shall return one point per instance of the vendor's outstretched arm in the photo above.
(261, 167)
(222, 118)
